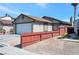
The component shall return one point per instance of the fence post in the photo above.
(40, 37)
(59, 31)
(52, 34)
(21, 42)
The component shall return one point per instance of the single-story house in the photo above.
(6, 23)
(56, 22)
(26, 23)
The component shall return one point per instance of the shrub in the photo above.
(12, 31)
(2, 30)
(65, 36)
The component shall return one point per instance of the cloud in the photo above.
(13, 10)
(7, 9)
(43, 5)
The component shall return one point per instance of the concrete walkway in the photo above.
(12, 40)
(54, 46)
(8, 46)
(9, 50)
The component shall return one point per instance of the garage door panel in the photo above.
(22, 28)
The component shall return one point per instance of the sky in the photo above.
(61, 11)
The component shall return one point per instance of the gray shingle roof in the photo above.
(35, 18)
(54, 20)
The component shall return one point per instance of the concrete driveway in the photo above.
(9, 50)
(54, 46)
(12, 39)
(7, 43)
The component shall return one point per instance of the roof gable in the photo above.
(33, 18)
(22, 19)
(7, 16)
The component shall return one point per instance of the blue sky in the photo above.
(62, 11)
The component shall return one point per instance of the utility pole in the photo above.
(74, 5)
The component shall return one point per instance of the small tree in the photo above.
(2, 30)
(12, 31)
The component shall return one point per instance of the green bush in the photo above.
(2, 30)
(65, 36)
(12, 31)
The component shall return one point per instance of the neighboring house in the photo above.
(6, 23)
(26, 23)
(56, 23)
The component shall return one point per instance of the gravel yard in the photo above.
(54, 46)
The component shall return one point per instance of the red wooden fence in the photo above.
(30, 38)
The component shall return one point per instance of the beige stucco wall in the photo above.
(49, 27)
(38, 27)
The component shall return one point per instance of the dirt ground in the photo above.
(54, 46)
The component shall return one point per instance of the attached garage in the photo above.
(21, 28)
(24, 23)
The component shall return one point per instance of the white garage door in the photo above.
(22, 28)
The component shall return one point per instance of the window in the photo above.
(55, 27)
